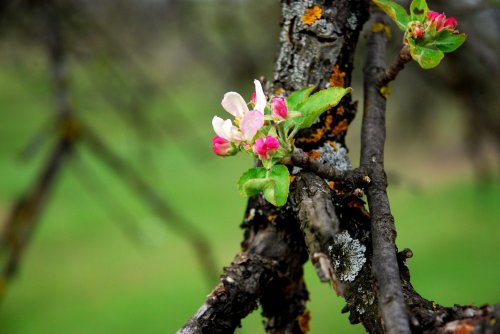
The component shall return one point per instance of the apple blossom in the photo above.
(222, 147)
(226, 130)
(265, 147)
(440, 21)
(251, 122)
(279, 108)
(260, 98)
(450, 23)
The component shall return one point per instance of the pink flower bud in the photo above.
(431, 16)
(265, 147)
(280, 110)
(254, 98)
(450, 23)
(418, 33)
(440, 21)
(222, 147)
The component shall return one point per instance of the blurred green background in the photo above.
(148, 78)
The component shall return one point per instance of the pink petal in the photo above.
(234, 104)
(264, 147)
(272, 143)
(450, 23)
(280, 110)
(432, 15)
(259, 147)
(260, 98)
(220, 146)
(251, 123)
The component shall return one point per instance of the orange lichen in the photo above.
(337, 77)
(314, 154)
(313, 137)
(292, 178)
(312, 15)
(340, 110)
(342, 126)
(328, 121)
(303, 321)
(279, 91)
(331, 184)
(272, 218)
(332, 144)
(380, 27)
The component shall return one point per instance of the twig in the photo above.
(392, 72)
(385, 265)
(354, 178)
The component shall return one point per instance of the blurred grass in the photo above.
(86, 271)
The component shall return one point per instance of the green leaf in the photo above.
(277, 194)
(418, 10)
(274, 184)
(298, 97)
(317, 104)
(252, 181)
(426, 57)
(447, 41)
(395, 12)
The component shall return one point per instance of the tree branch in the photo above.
(352, 178)
(311, 200)
(392, 71)
(385, 265)
(269, 265)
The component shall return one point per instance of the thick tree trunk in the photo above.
(325, 218)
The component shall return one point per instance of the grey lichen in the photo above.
(347, 255)
(296, 170)
(335, 156)
(367, 298)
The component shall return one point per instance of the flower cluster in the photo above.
(266, 130)
(428, 35)
(253, 130)
(439, 21)
(434, 23)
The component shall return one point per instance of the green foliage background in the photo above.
(101, 262)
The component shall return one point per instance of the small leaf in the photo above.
(447, 41)
(418, 10)
(254, 186)
(426, 57)
(395, 12)
(277, 194)
(317, 104)
(298, 97)
(251, 183)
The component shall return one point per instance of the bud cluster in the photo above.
(433, 23)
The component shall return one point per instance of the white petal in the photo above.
(260, 103)
(218, 124)
(230, 131)
(234, 104)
